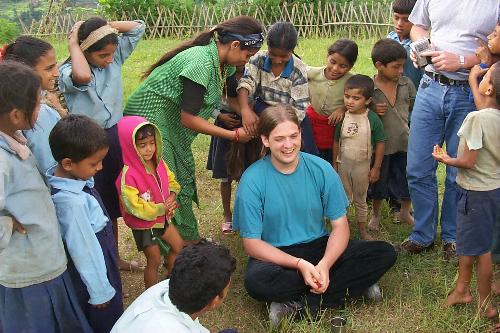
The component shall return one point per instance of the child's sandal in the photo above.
(227, 228)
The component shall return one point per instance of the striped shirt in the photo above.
(290, 87)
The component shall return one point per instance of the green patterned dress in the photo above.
(158, 99)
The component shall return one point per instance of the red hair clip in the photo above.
(3, 50)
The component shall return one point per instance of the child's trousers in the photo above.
(354, 176)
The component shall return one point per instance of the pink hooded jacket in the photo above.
(142, 195)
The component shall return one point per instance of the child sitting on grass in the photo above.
(478, 187)
(147, 191)
(359, 132)
(393, 100)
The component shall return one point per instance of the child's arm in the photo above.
(135, 205)
(475, 73)
(80, 69)
(246, 87)
(467, 159)
(84, 249)
(336, 116)
(124, 26)
(335, 154)
(377, 164)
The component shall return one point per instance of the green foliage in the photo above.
(8, 31)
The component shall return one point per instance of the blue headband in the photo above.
(251, 40)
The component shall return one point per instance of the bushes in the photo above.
(8, 31)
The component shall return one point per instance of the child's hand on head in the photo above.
(73, 33)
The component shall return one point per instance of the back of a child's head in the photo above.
(76, 137)
(19, 88)
(387, 50)
(361, 82)
(201, 272)
(26, 49)
(346, 48)
(282, 35)
(403, 6)
(90, 26)
(144, 132)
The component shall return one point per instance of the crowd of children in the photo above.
(66, 175)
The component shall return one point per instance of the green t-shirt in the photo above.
(376, 127)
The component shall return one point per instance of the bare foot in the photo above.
(365, 235)
(490, 312)
(374, 224)
(406, 217)
(458, 298)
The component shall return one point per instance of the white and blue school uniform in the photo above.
(36, 293)
(38, 137)
(102, 100)
(88, 236)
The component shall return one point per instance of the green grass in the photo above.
(413, 290)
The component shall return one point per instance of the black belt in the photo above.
(441, 79)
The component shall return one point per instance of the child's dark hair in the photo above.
(387, 50)
(27, 49)
(241, 25)
(346, 48)
(76, 137)
(201, 272)
(282, 35)
(144, 132)
(403, 6)
(19, 88)
(495, 80)
(361, 82)
(90, 25)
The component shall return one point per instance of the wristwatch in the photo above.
(461, 61)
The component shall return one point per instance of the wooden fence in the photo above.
(350, 19)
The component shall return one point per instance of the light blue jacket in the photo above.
(101, 99)
(81, 217)
(39, 255)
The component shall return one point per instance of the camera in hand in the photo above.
(420, 46)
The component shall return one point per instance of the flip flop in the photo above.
(227, 228)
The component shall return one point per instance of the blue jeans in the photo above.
(437, 115)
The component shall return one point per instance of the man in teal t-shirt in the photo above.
(280, 209)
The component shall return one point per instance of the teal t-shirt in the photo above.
(286, 209)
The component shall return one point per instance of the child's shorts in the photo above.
(477, 213)
(144, 238)
(393, 176)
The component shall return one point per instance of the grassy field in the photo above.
(413, 290)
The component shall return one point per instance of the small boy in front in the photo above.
(79, 145)
(478, 189)
(360, 132)
(393, 100)
(401, 11)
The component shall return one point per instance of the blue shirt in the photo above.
(81, 217)
(38, 137)
(286, 209)
(414, 74)
(102, 98)
(39, 255)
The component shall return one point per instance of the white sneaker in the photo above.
(278, 311)
(373, 293)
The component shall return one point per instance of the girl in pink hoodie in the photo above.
(147, 191)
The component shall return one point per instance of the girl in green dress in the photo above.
(181, 90)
